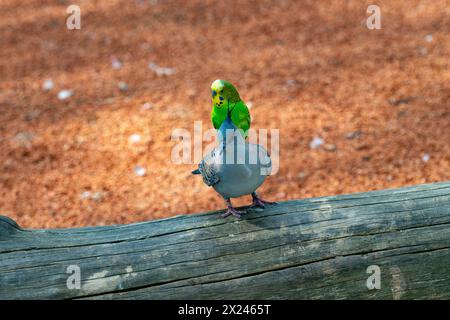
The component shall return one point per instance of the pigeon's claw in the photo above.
(232, 211)
(260, 203)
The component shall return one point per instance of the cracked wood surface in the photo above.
(304, 249)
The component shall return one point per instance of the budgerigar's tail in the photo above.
(196, 171)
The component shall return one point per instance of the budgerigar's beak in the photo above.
(217, 99)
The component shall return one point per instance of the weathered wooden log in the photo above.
(305, 249)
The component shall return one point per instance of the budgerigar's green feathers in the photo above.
(225, 96)
(239, 115)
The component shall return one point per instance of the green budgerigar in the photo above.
(224, 97)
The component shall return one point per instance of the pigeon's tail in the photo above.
(196, 171)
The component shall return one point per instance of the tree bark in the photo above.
(319, 248)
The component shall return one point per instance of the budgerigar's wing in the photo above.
(241, 117)
(216, 120)
(247, 118)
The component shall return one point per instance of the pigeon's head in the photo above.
(223, 92)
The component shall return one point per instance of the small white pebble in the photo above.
(116, 64)
(429, 38)
(48, 85)
(316, 143)
(24, 136)
(140, 171)
(134, 138)
(160, 71)
(353, 135)
(147, 106)
(302, 175)
(64, 94)
(97, 196)
(122, 86)
(291, 82)
(85, 195)
(249, 104)
(164, 71)
(425, 157)
(329, 147)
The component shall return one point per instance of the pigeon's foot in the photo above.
(258, 202)
(232, 211)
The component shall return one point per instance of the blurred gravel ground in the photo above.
(375, 103)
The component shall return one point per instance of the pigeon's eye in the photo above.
(214, 93)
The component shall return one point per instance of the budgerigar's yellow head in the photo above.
(223, 92)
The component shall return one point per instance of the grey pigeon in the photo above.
(235, 167)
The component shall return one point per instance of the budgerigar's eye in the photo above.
(214, 93)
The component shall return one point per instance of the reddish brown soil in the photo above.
(310, 68)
